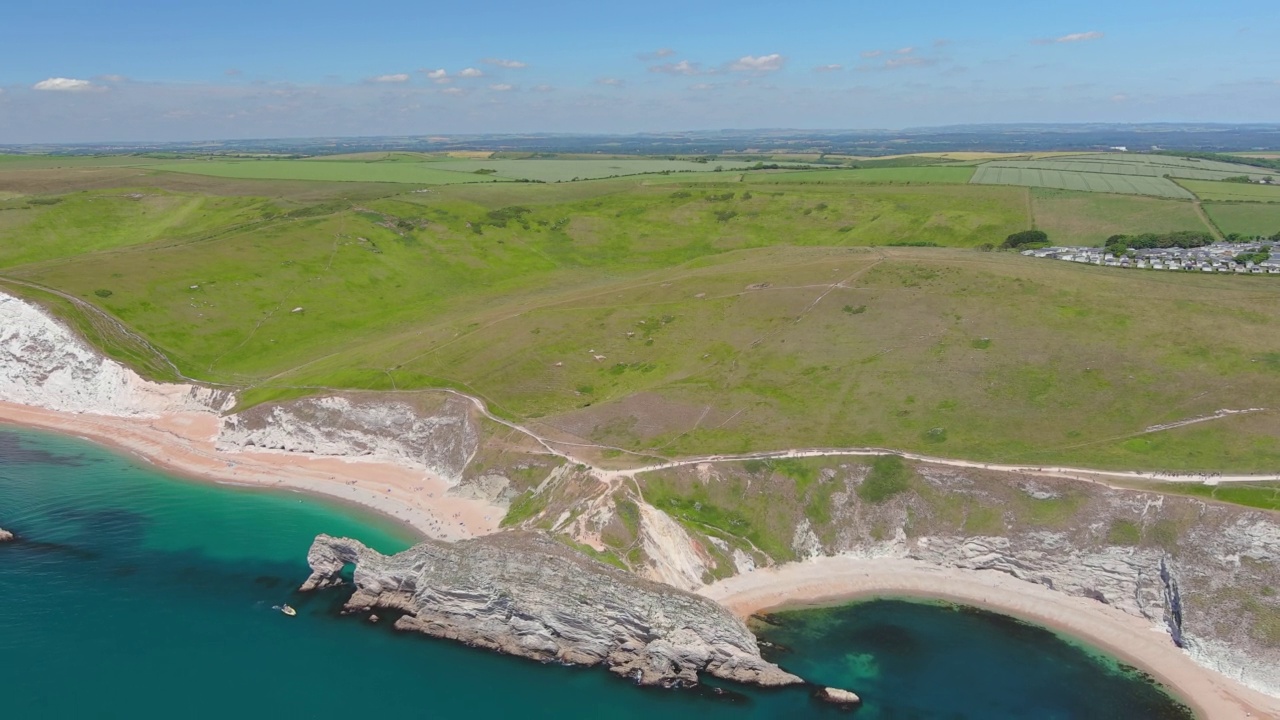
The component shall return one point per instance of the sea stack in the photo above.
(525, 594)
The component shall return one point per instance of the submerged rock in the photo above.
(525, 594)
(836, 696)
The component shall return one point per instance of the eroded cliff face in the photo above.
(44, 364)
(1208, 573)
(525, 594)
(441, 437)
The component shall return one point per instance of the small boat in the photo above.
(286, 609)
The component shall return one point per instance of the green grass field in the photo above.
(921, 174)
(436, 170)
(1233, 192)
(1110, 173)
(675, 318)
(1029, 175)
(1248, 219)
(1090, 218)
(336, 171)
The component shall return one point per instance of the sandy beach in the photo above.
(183, 443)
(825, 581)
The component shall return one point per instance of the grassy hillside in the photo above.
(668, 318)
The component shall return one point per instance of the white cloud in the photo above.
(543, 88)
(502, 87)
(470, 73)
(684, 67)
(114, 78)
(453, 91)
(904, 51)
(1072, 38)
(395, 78)
(762, 63)
(64, 85)
(232, 72)
(610, 81)
(872, 54)
(439, 77)
(1121, 97)
(703, 87)
(833, 67)
(509, 64)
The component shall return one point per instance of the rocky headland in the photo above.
(524, 594)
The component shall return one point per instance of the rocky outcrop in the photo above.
(437, 434)
(836, 696)
(43, 363)
(527, 595)
(5, 535)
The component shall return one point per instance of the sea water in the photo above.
(135, 594)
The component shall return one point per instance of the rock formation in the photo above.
(45, 364)
(836, 696)
(5, 535)
(525, 594)
(436, 433)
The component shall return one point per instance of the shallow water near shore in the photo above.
(133, 594)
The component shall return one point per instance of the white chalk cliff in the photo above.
(44, 364)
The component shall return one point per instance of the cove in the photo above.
(135, 594)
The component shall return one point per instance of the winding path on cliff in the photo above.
(1085, 474)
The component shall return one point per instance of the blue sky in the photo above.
(90, 70)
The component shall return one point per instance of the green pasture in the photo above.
(1112, 173)
(567, 170)
(1143, 165)
(418, 173)
(1233, 191)
(1003, 174)
(1083, 218)
(436, 170)
(907, 174)
(1248, 219)
(678, 319)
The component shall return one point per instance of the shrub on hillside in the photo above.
(1026, 237)
(889, 476)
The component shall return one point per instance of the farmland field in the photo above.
(1241, 192)
(1081, 218)
(1248, 219)
(418, 173)
(565, 170)
(675, 317)
(1111, 173)
(1036, 177)
(922, 174)
(424, 170)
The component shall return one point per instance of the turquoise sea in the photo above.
(133, 594)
